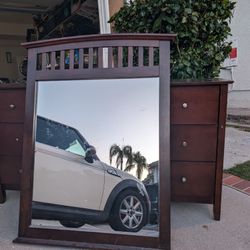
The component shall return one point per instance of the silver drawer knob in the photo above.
(183, 179)
(184, 105)
(12, 106)
(184, 144)
(17, 139)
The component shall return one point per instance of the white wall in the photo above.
(12, 34)
(10, 70)
(239, 93)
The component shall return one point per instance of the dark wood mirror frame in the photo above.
(56, 71)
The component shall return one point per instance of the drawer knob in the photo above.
(183, 179)
(184, 105)
(184, 144)
(17, 139)
(12, 106)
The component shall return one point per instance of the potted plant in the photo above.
(198, 99)
(202, 29)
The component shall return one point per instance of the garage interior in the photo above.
(31, 20)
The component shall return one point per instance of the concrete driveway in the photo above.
(237, 147)
(193, 227)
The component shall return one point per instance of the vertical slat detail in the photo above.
(110, 57)
(130, 57)
(90, 58)
(44, 61)
(100, 57)
(80, 58)
(62, 60)
(151, 56)
(53, 60)
(140, 57)
(120, 57)
(71, 59)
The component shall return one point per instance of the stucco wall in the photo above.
(114, 6)
(239, 94)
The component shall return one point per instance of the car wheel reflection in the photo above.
(129, 212)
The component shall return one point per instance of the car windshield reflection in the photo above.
(61, 136)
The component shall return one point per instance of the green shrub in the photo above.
(202, 29)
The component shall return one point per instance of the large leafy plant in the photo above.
(202, 29)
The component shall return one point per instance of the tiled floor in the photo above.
(237, 183)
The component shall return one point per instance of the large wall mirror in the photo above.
(96, 138)
(95, 141)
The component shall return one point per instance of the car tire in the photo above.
(129, 212)
(71, 223)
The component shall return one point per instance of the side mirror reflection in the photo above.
(90, 152)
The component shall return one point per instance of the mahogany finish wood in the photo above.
(12, 100)
(193, 142)
(193, 180)
(10, 171)
(2, 194)
(188, 105)
(206, 109)
(11, 137)
(12, 105)
(213, 92)
(222, 114)
(47, 71)
(200, 123)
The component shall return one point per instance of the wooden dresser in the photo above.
(12, 102)
(198, 117)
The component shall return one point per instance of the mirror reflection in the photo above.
(96, 155)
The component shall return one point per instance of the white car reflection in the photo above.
(73, 186)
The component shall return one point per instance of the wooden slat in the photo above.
(90, 58)
(71, 59)
(62, 60)
(151, 56)
(130, 57)
(110, 57)
(140, 55)
(80, 58)
(100, 57)
(53, 60)
(120, 57)
(44, 61)
(86, 55)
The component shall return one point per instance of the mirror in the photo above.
(96, 156)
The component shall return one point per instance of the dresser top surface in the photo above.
(207, 82)
(4, 86)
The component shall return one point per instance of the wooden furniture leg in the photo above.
(2, 194)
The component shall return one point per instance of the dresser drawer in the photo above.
(12, 104)
(11, 139)
(194, 105)
(10, 170)
(193, 142)
(192, 181)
